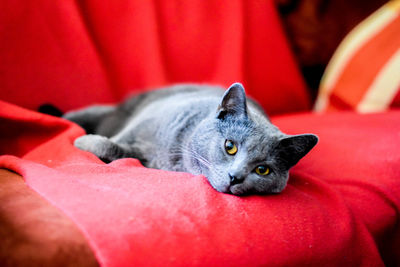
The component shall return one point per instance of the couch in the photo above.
(63, 206)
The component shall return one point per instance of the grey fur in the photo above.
(184, 128)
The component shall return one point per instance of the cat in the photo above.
(199, 129)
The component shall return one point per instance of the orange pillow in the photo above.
(364, 73)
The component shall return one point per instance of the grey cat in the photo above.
(197, 129)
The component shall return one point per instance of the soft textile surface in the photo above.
(364, 73)
(35, 233)
(341, 206)
(75, 53)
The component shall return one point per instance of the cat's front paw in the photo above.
(96, 144)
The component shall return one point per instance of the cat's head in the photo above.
(243, 152)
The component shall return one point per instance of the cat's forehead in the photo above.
(249, 132)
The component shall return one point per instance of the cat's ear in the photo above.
(233, 102)
(292, 148)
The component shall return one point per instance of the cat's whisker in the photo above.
(205, 162)
(196, 155)
(180, 150)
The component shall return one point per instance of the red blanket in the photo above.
(341, 206)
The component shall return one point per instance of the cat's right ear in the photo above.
(233, 102)
(293, 147)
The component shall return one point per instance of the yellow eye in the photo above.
(262, 170)
(230, 147)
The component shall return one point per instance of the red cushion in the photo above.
(363, 74)
(74, 53)
(340, 208)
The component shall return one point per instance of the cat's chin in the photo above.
(238, 190)
(241, 190)
(222, 188)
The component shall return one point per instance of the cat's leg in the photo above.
(103, 147)
(89, 118)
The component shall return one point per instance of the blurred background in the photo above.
(316, 27)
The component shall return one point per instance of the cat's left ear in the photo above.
(233, 102)
(292, 148)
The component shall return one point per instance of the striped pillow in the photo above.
(364, 73)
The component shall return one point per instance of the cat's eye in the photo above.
(230, 147)
(262, 170)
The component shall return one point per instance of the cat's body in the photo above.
(194, 129)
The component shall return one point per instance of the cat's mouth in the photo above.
(241, 190)
(244, 188)
(237, 189)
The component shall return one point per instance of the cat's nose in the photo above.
(235, 179)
